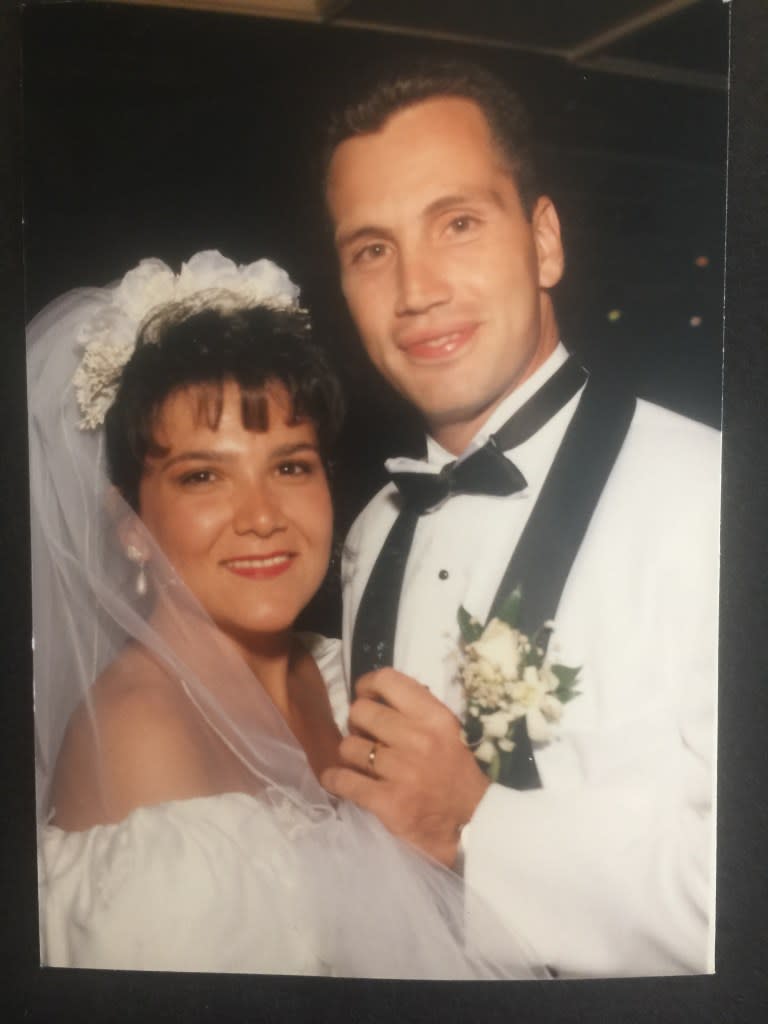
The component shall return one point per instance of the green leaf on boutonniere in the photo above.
(568, 679)
(534, 656)
(471, 629)
(510, 608)
(494, 768)
(473, 730)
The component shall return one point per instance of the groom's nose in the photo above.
(421, 284)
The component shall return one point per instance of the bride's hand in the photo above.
(407, 763)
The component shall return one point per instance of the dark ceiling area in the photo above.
(682, 40)
(152, 131)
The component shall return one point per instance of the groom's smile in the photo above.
(437, 344)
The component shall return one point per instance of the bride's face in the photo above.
(243, 515)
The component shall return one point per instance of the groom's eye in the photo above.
(370, 253)
(461, 224)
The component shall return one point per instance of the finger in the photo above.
(370, 794)
(401, 692)
(382, 723)
(348, 784)
(360, 753)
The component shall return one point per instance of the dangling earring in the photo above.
(136, 556)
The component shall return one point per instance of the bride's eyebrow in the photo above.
(293, 449)
(211, 455)
(203, 455)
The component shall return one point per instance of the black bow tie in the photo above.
(487, 471)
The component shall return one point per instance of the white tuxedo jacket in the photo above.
(608, 869)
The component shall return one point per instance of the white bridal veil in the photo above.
(374, 906)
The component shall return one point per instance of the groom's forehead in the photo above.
(441, 119)
(440, 151)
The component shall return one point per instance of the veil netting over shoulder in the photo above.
(319, 886)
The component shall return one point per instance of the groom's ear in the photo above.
(549, 244)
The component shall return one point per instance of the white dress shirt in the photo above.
(608, 869)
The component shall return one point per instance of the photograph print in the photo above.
(374, 366)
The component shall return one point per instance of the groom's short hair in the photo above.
(394, 87)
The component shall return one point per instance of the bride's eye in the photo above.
(197, 476)
(294, 468)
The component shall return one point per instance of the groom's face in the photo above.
(443, 272)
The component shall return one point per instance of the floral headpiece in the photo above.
(109, 336)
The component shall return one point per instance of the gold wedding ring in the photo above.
(372, 759)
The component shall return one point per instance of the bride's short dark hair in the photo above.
(208, 341)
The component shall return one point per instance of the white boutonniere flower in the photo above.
(507, 677)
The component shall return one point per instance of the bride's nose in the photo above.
(257, 509)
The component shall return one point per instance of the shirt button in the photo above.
(443, 574)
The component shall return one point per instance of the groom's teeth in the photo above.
(444, 339)
(258, 563)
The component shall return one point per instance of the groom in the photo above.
(598, 847)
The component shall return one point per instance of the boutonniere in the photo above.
(508, 677)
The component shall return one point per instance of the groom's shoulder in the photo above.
(672, 442)
(381, 510)
(370, 528)
(654, 419)
(670, 461)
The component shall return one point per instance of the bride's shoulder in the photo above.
(132, 741)
(326, 653)
(323, 649)
(135, 699)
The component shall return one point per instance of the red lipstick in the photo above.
(261, 567)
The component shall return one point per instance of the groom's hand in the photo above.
(421, 781)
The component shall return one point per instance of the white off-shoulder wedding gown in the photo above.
(214, 883)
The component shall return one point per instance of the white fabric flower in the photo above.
(206, 270)
(148, 285)
(269, 283)
(109, 337)
(262, 282)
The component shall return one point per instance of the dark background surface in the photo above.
(117, 170)
(153, 132)
(162, 132)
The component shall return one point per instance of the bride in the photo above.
(180, 431)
